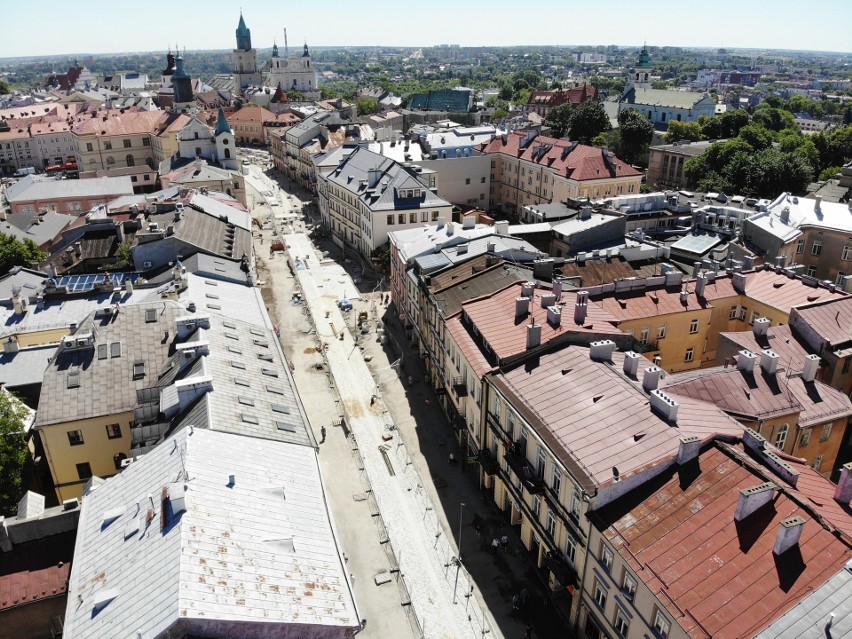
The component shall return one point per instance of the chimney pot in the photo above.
(789, 532)
(557, 290)
(533, 335)
(746, 361)
(631, 363)
(527, 289)
(811, 365)
(739, 282)
(769, 361)
(700, 283)
(761, 326)
(651, 378)
(554, 315)
(665, 405)
(547, 300)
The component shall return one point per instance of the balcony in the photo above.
(460, 386)
(565, 574)
(525, 472)
(489, 463)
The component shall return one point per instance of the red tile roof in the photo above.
(568, 159)
(36, 570)
(131, 122)
(494, 317)
(590, 413)
(831, 319)
(759, 395)
(721, 576)
(250, 114)
(574, 95)
(470, 350)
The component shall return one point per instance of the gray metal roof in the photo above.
(809, 619)
(210, 528)
(39, 187)
(25, 367)
(41, 229)
(27, 280)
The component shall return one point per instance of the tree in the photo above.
(588, 120)
(4, 88)
(499, 114)
(829, 173)
(635, 131)
(756, 136)
(847, 116)
(327, 93)
(15, 253)
(559, 119)
(366, 106)
(123, 259)
(678, 131)
(13, 451)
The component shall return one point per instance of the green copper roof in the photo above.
(644, 57)
(222, 125)
(242, 29)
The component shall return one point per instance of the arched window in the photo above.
(130, 160)
(110, 160)
(227, 154)
(781, 437)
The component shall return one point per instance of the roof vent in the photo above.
(651, 378)
(601, 350)
(761, 326)
(665, 405)
(751, 499)
(746, 361)
(789, 532)
(522, 306)
(810, 368)
(769, 361)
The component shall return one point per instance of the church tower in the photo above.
(244, 59)
(182, 85)
(225, 148)
(167, 73)
(642, 72)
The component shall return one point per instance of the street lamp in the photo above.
(459, 559)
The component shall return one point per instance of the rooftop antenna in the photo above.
(286, 48)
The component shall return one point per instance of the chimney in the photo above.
(753, 440)
(843, 494)
(651, 378)
(19, 302)
(700, 283)
(810, 367)
(789, 532)
(688, 449)
(769, 361)
(665, 405)
(490, 247)
(469, 222)
(785, 214)
(31, 505)
(11, 345)
(631, 363)
(781, 468)
(753, 498)
(585, 212)
(817, 203)
(580, 308)
(601, 351)
(554, 315)
(674, 278)
(779, 261)
(527, 289)
(501, 227)
(739, 282)
(761, 326)
(748, 262)
(547, 300)
(522, 306)
(684, 296)
(746, 361)
(533, 335)
(557, 290)
(696, 269)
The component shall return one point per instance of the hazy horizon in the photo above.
(768, 26)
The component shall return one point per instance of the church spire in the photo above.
(243, 35)
(222, 125)
(274, 49)
(306, 54)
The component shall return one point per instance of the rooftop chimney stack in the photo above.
(580, 308)
(664, 405)
(533, 335)
(780, 467)
(527, 289)
(843, 493)
(746, 361)
(810, 367)
(631, 363)
(651, 378)
(789, 532)
(769, 361)
(696, 269)
(557, 290)
(522, 306)
(602, 350)
(688, 449)
(761, 326)
(684, 296)
(751, 499)
(700, 283)
(547, 300)
(739, 282)
(753, 440)
(554, 315)
(817, 203)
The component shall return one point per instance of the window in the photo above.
(846, 253)
(661, 332)
(75, 437)
(540, 463)
(113, 431)
(621, 623)
(556, 481)
(537, 506)
(434, 216)
(570, 550)
(138, 370)
(628, 585)
(467, 180)
(89, 146)
(811, 271)
(826, 433)
(551, 525)
(800, 246)
(575, 504)
(84, 470)
(390, 220)
(424, 216)
(690, 353)
(805, 439)
(743, 311)
(661, 624)
(781, 437)
(600, 594)
(482, 180)
(643, 336)
(693, 326)
(412, 218)
(733, 313)
(126, 144)
(606, 558)
(147, 142)
(817, 462)
(401, 218)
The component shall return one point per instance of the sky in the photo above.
(150, 25)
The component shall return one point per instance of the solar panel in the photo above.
(88, 282)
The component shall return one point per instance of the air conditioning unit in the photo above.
(126, 462)
(70, 504)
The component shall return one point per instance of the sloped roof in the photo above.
(668, 98)
(39, 228)
(39, 187)
(831, 319)
(443, 100)
(260, 551)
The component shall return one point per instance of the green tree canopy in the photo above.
(588, 120)
(366, 106)
(678, 131)
(635, 131)
(559, 119)
(15, 253)
(13, 451)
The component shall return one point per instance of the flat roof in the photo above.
(255, 545)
